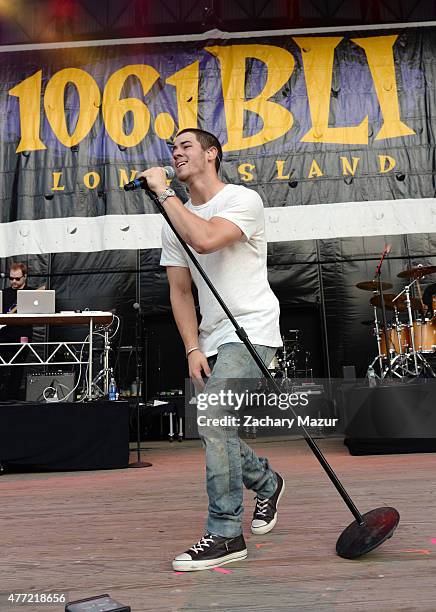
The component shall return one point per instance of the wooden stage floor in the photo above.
(87, 533)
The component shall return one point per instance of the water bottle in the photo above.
(372, 380)
(113, 393)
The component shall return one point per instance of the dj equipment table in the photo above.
(89, 318)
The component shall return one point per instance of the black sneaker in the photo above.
(211, 551)
(265, 512)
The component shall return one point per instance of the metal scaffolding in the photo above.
(45, 21)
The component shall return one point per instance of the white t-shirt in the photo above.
(238, 272)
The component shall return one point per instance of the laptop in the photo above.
(35, 301)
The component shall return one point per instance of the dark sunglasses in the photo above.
(12, 278)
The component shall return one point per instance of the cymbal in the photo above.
(417, 272)
(388, 297)
(373, 285)
(399, 304)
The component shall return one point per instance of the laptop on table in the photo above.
(35, 301)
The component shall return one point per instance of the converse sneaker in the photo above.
(265, 512)
(211, 551)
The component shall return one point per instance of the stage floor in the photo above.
(87, 533)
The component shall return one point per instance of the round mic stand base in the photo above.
(357, 540)
(140, 464)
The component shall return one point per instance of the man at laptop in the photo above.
(11, 377)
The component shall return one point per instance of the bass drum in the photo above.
(396, 339)
(425, 335)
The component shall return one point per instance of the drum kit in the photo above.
(291, 361)
(403, 346)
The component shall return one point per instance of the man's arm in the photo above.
(182, 303)
(204, 236)
(183, 306)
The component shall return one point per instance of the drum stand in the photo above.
(402, 364)
(398, 325)
(406, 290)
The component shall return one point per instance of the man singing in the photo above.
(224, 226)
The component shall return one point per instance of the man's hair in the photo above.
(206, 140)
(17, 265)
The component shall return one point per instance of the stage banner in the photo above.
(335, 131)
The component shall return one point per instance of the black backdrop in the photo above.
(112, 280)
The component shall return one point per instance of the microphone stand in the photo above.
(367, 531)
(139, 345)
(377, 276)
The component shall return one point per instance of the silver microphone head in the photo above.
(170, 172)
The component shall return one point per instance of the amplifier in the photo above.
(61, 382)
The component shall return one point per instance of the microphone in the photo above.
(141, 182)
(386, 251)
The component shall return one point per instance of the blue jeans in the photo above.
(230, 462)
